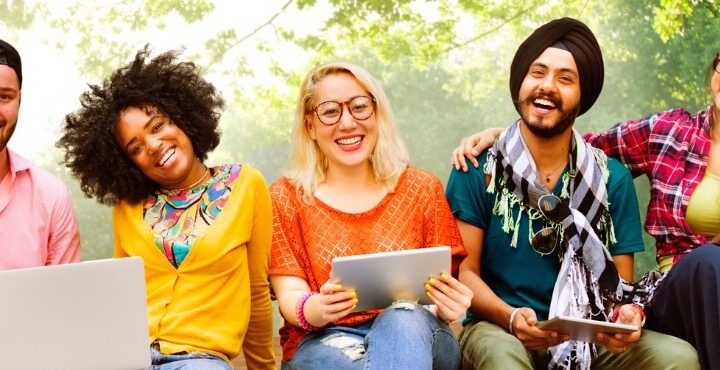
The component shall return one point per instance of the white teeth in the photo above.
(349, 140)
(165, 158)
(544, 102)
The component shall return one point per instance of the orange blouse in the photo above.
(306, 237)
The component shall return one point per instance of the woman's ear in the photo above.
(310, 128)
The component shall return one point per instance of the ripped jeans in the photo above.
(404, 336)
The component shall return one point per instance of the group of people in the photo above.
(541, 220)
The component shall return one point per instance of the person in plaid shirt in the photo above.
(679, 152)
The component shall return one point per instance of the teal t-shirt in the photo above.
(520, 276)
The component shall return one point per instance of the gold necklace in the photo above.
(207, 171)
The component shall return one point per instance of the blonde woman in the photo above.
(349, 190)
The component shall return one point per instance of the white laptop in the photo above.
(382, 278)
(82, 316)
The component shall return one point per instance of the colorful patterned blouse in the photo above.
(672, 149)
(179, 217)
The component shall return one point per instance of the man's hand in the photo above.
(618, 343)
(533, 338)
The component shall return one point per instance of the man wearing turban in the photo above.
(550, 225)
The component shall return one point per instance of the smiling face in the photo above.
(549, 96)
(350, 142)
(158, 147)
(9, 103)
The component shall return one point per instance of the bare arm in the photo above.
(625, 264)
(332, 303)
(484, 302)
(489, 306)
(471, 146)
(628, 314)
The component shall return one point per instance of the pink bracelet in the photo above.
(300, 312)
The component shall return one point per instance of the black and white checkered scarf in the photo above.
(588, 283)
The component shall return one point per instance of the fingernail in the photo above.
(427, 287)
(355, 301)
(337, 286)
(353, 294)
(432, 280)
(443, 276)
(428, 293)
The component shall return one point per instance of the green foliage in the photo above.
(671, 16)
(16, 14)
(444, 64)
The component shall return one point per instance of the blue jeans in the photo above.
(404, 336)
(687, 302)
(187, 361)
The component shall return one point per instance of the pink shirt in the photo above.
(37, 220)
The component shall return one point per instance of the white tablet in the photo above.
(379, 279)
(584, 330)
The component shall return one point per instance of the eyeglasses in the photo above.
(359, 107)
(545, 240)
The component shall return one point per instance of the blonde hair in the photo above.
(308, 164)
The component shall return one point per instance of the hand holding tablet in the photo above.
(382, 278)
(583, 329)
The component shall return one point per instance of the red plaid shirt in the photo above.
(672, 149)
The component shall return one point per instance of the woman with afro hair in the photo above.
(138, 143)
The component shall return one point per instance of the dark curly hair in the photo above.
(175, 88)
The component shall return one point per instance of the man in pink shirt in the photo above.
(37, 220)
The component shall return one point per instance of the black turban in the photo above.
(579, 41)
(10, 57)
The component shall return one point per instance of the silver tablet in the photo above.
(379, 279)
(583, 329)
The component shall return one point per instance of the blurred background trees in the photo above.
(444, 64)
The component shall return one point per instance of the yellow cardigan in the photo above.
(219, 295)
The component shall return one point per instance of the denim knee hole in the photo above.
(404, 305)
(351, 347)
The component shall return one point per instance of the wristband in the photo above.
(300, 312)
(511, 330)
(642, 313)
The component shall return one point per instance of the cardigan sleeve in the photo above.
(119, 223)
(257, 345)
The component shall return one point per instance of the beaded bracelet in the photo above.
(300, 312)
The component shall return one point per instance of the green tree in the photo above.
(444, 63)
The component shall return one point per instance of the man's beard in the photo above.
(6, 132)
(567, 118)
